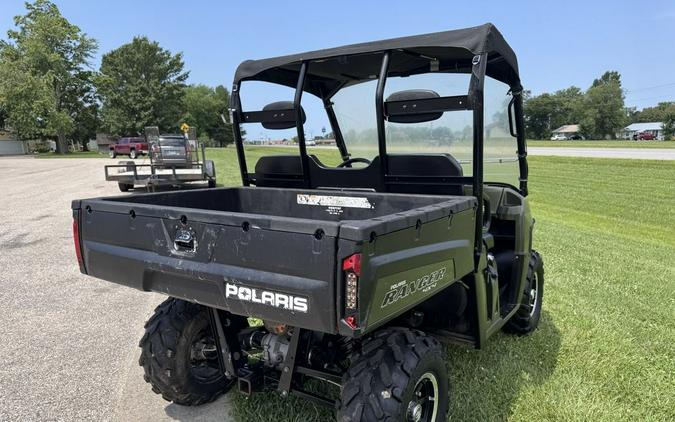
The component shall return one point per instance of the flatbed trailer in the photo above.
(152, 175)
(157, 173)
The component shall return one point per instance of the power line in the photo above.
(650, 87)
(671, 96)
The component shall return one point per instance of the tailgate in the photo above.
(274, 268)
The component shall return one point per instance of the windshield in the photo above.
(452, 133)
(172, 142)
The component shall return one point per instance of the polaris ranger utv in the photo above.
(349, 275)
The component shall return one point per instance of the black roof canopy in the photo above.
(333, 68)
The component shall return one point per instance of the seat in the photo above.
(424, 165)
(286, 171)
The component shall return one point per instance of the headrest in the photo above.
(411, 95)
(282, 105)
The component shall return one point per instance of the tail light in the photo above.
(78, 247)
(352, 269)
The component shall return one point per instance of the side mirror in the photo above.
(282, 106)
(412, 95)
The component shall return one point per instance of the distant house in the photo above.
(103, 141)
(655, 128)
(9, 145)
(566, 132)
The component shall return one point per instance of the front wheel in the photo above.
(400, 375)
(179, 355)
(528, 315)
(112, 153)
(133, 154)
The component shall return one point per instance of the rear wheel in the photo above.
(125, 187)
(399, 375)
(179, 354)
(527, 317)
(133, 154)
(112, 153)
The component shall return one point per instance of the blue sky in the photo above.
(558, 43)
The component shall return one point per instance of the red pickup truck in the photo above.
(133, 147)
(645, 136)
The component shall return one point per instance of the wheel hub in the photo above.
(424, 405)
(532, 296)
(415, 411)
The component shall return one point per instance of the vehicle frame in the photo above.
(462, 220)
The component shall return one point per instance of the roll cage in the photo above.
(477, 51)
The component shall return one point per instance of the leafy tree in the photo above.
(87, 123)
(44, 78)
(547, 112)
(538, 111)
(141, 84)
(658, 113)
(669, 125)
(604, 110)
(205, 108)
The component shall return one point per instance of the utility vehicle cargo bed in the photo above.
(199, 245)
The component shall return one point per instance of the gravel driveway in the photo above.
(69, 343)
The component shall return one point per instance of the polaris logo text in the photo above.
(265, 297)
(405, 288)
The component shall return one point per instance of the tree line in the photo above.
(599, 111)
(49, 90)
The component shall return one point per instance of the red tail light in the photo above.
(351, 321)
(352, 268)
(353, 264)
(78, 248)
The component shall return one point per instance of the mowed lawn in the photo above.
(601, 144)
(605, 349)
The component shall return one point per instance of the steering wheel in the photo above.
(349, 162)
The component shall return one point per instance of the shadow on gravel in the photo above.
(484, 384)
(17, 241)
(219, 410)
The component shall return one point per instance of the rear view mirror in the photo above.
(282, 106)
(412, 95)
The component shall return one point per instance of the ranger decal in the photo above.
(406, 288)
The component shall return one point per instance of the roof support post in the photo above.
(304, 161)
(235, 113)
(379, 113)
(337, 133)
(479, 64)
(520, 137)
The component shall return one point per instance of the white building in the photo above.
(655, 128)
(566, 132)
(9, 145)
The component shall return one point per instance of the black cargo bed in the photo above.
(275, 240)
(298, 210)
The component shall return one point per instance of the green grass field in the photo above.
(601, 144)
(605, 349)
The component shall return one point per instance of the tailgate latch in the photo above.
(185, 241)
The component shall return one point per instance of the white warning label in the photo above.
(334, 201)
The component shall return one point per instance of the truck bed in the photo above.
(274, 243)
